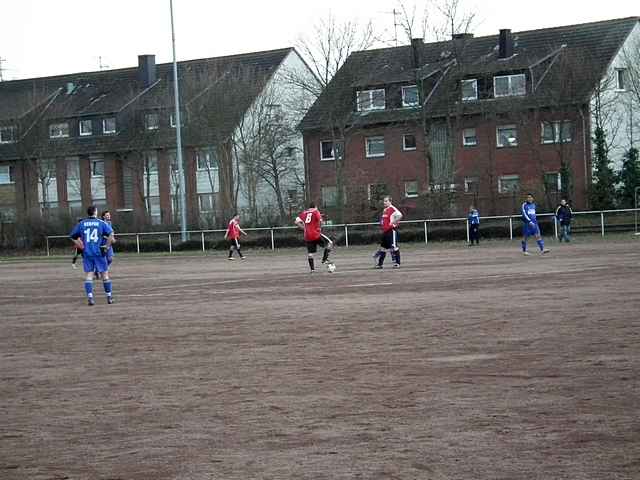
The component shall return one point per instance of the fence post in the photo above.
(602, 223)
(468, 237)
(555, 226)
(426, 238)
(170, 247)
(202, 235)
(273, 244)
(510, 228)
(138, 242)
(47, 242)
(346, 235)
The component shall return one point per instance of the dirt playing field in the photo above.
(466, 363)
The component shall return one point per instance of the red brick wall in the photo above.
(396, 167)
(529, 160)
(164, 182)
(113, 181)
(85, 179)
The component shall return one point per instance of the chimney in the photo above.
(146, 70)
(462, 36)
(416, 47)
(505, 43)
(460, 40)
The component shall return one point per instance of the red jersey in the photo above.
(312, 220)
(233, 230)
(385, 221)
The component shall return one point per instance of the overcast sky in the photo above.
(43, 37)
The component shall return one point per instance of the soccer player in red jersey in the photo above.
(311, 222)
(233, 234)
(391, 217)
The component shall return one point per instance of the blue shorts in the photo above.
(95, 264)
(530, 231)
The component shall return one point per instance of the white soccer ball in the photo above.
(331, 268)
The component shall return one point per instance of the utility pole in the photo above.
(176, 94)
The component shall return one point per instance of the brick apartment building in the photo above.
(471, 120)
(108, 138)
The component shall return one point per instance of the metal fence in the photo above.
(425, 230)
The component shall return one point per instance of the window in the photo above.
(109, 125)
(172, 119)
(376, 192)
(151, 121)
(8, 134)
(97, 168)
(557, 132)
(509, 184)
(329, 150)
(59, 130)
(206, 202)
(7, 215)
(411, 189)
(469, 89)
(621, 74)
(509, 85)
(374, 146)
(6, 174)
(86, 128)
(507, 136)
(410, 96)
(469, 137)
(329, 196)
(150, 163)
(408, 142)
(471, 184)
(205, 160)
(370, 100)
(153, 209)
(552, 182)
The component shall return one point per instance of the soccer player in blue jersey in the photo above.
(530, 227)
(89, 234)
(106, 217)
(474, 225)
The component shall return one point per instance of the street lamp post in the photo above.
(176, 94)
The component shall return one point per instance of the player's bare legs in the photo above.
(106, 284)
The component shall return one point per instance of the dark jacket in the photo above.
(564, 214)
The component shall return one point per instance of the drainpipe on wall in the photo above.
(584, 155)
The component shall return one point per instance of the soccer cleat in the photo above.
(378, 267)
(544, 251)
(91, 302)
(243, 257)
(230, 258)
(396, 265)
(74, 266)
(109, 300)
(526, 253)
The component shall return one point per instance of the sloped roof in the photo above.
(585, 49)
(224, 85)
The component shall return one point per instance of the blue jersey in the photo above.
(474, 217)
(92, 232)
(528, 212)
(104, 241)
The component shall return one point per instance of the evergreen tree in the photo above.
(566, 180)
(602, 192)
(629, 179)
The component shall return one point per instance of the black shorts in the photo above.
(389, 240)
(234, 243)
(312, 245)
